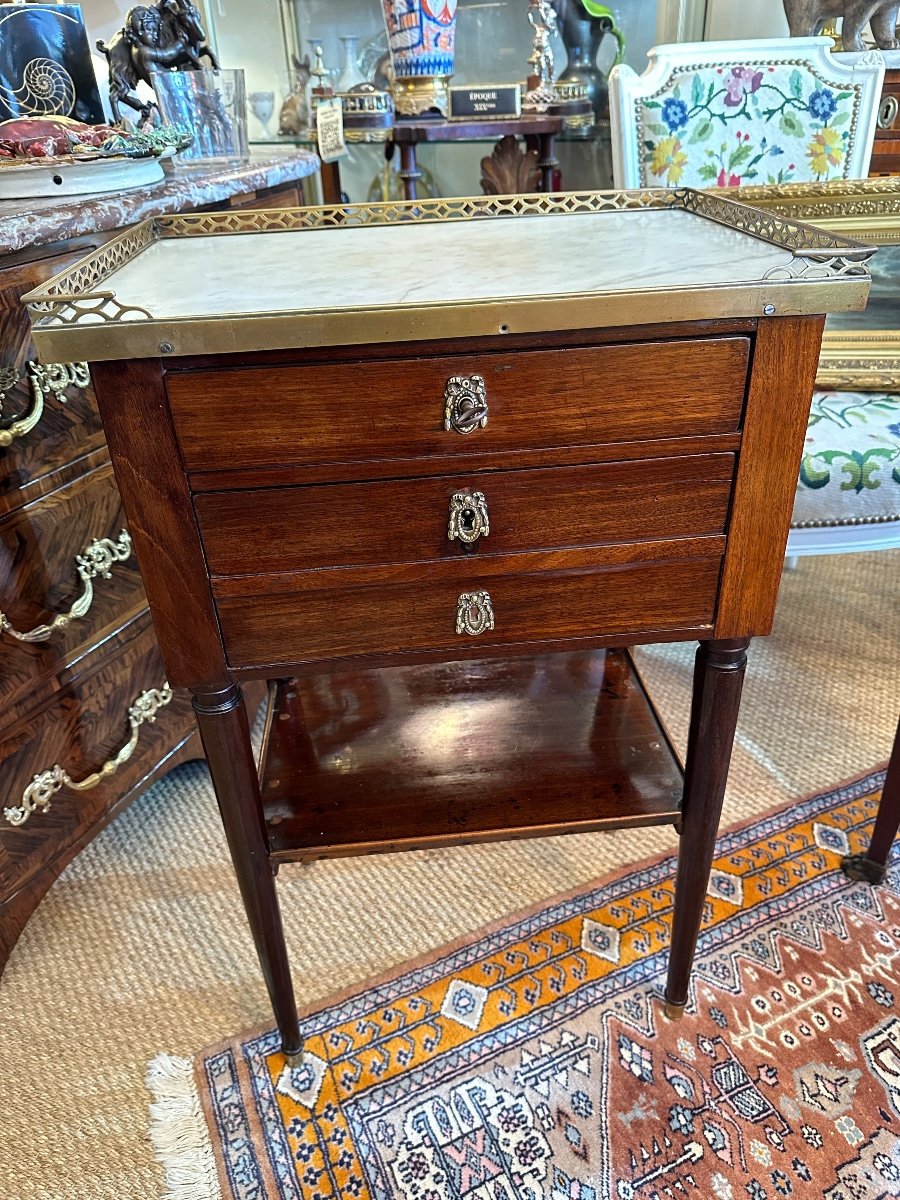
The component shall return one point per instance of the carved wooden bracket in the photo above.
(510, 170)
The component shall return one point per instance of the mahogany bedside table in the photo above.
(375, 456)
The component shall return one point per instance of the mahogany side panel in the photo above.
(161, 520)
(785, 360)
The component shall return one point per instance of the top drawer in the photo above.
(282, 416)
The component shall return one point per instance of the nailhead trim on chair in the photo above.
(882, 520)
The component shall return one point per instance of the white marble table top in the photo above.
(522, 267)
(434, 264)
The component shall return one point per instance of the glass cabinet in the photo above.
(493, 43)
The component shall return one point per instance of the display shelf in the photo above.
(411, 757)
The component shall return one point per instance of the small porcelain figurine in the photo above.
(806, 18)
(294, 115)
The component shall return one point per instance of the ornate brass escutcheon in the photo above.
(466, 405)
(474, 613)
(888, 112)
(468, 518)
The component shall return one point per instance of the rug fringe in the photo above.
(178, 1131)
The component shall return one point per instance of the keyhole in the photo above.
(468, 520)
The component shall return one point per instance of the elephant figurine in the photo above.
(806, 18)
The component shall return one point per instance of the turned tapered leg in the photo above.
(872, 866)
(718, 678)
(225, 733)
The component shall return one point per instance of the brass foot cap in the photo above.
(673, 1011)
(293, 1058)
(862, 869)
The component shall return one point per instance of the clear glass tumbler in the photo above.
(212, 105)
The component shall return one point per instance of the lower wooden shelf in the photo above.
(360, 762)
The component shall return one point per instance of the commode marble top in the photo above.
(28, 223)
(442, 269)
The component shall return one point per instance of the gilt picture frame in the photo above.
(860, 351)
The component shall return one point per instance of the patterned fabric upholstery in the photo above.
(726, 126)
(850, 470)
(719, 114)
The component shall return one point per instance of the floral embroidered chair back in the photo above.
(722, 114)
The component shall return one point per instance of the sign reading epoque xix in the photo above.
(45, 63)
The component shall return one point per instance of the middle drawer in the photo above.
(334, 525)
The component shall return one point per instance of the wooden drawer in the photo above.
(551, 604)
(261, 416)
(41, 576)
(79, 728)
(42, 428)
(302, 528)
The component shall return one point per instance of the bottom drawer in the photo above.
(82, 726)
(547, 606)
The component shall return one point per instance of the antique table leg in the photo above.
(225, 733)
(718, 679)
(331, 183)
(872, 866)
(551, 179)
(409, 170)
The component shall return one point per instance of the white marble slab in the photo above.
(414, 265)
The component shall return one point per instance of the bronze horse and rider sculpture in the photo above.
(168, 35)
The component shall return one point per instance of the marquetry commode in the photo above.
(376, 456)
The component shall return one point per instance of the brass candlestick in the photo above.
(830, 29)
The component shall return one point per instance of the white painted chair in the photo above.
(848, 494)
(725, 114)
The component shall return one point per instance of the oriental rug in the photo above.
(532, 1061)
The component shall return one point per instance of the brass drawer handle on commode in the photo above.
(51, 377)
(44, 786)
(97, 558)
(465, 403)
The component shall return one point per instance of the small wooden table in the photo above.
(538, 130)
(427, 502)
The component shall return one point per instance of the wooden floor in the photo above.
(408, 757)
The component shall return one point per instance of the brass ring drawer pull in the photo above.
(98, 558)
(465, 403)
(469, 518)
(52, 377)
(474, 613)
(44, 786)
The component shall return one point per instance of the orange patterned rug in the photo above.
(532, 1060)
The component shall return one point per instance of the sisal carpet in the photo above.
(141, 948)
(533, 1061)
